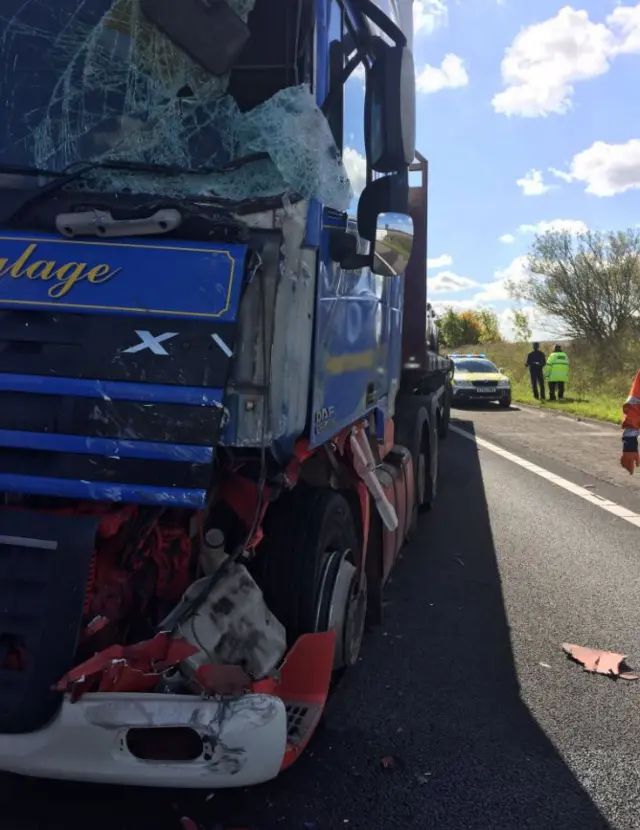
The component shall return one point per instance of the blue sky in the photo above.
(527, 113)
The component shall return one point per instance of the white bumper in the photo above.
(243, 739)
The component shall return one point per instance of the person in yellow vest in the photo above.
(630, 459)
(556, 372)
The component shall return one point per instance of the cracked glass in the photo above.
(93, 80)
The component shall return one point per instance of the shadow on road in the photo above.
(437, 692)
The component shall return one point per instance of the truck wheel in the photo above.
(415, 432)
(431, 478)
(308, 569)
(443, 426)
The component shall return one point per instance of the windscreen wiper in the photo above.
(18, 200)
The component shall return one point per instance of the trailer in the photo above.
(221, 398)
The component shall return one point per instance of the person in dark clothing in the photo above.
(535, 364)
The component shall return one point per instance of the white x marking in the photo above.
(151, 342)
(220, 342)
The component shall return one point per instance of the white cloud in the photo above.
(428, 15)
(560, 174)
(448, 282)
(569, 225)
(517, 270)
(625, 22)
(505, 320)
(356, 166)
(451, 74)
(532, 184)
(440, 306)
(440, 261)
(493, 296)
(541, 328)
(507, 238)
(608, 169)
(492, 292)
(545, 60)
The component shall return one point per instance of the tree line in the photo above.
(587, 285)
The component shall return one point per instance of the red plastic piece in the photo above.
(133, 668)
(305, 678)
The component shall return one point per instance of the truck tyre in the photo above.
(308, 569)
(443, 426)
(415, 431)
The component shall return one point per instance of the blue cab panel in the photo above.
(160, 278)
(357, 348)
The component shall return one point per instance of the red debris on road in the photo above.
(597, 661)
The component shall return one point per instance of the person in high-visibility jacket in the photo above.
(630, 459)
(556, 372)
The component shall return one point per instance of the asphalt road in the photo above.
(465, 687)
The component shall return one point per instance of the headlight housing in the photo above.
(504, 383)
(462, 384)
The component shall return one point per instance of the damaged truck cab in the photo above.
(220, 393)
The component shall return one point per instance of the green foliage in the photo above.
(468, 327)
(489, 328)
(590, 283)
(521, 326)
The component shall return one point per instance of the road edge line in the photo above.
(605, 504)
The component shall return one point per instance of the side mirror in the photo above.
(384, 222)
(390, 113)
(393, 244)
(501, 369)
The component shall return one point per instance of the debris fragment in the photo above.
(595, 660)
(188, 823)
(388, 762)
(424, 779)
(545, 665)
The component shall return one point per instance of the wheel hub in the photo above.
(342, 606)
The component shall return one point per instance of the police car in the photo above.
(475, 378)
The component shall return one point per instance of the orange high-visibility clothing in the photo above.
(631, 417)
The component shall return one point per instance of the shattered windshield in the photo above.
(94, 80)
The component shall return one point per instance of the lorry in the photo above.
(220, 393)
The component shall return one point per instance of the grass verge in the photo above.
(600, 407)
(599, 377)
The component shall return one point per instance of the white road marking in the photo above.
(576, 489)
(563, 434)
